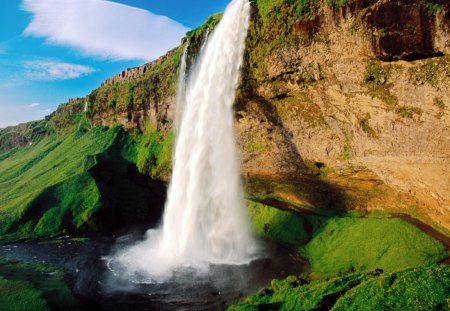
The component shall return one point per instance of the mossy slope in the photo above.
(355, 263)
(423, 288)
(84, 180)
(338, 245)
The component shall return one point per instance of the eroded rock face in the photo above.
(402, 30)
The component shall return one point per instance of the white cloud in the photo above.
(33, 105)
(103, 28)
(50, 70)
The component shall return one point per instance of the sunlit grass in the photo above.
(338, 245)
(423, 288)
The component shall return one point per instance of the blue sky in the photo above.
(51, 50)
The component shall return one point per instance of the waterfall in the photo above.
(181, 90)
(205, 221)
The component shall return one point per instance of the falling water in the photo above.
(181, 90)
(205, 221)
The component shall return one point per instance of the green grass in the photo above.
(23, 134)
(81, 181)
(423, 288)
(157, 82)
(365, 126)
(49, 179)
(293, 294)
(431, 71)
(20, 296)
(271, 29)
(152, 153)
(276, 225)
(34, 287)
(408, 111)
(338, 245)
(198, 33)
(341, 245)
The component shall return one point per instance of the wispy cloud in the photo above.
(50, 70)
(33, 105)
(103, 28)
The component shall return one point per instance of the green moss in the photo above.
(209, 25)
(78, 197)
(339, 3)
(432, 71)
(346, 153)
(276, 225)
(272, 29)
(408, 111)
(434, 8)
(439, 103)
(299, 106)
(340, 245)
(43, 183)
(377, 79)
(20, 296)
(424, 288)
(365, 126)
(34, 287)
(303, 8)
(375, 75)
(256, 147)
(158, 81)
(291, 294)
(23, 134)
(80, 182)
(154, 154)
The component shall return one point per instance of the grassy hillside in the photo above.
(354, 264)
(79, 181)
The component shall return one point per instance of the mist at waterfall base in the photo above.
(205, 224)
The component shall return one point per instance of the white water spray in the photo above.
(205, 221)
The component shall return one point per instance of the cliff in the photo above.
(343, 106)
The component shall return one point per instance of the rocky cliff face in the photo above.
(322, 97)
(343, 104)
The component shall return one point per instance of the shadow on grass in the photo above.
(110, 196)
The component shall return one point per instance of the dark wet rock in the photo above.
(401, 30)
(266, 291)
